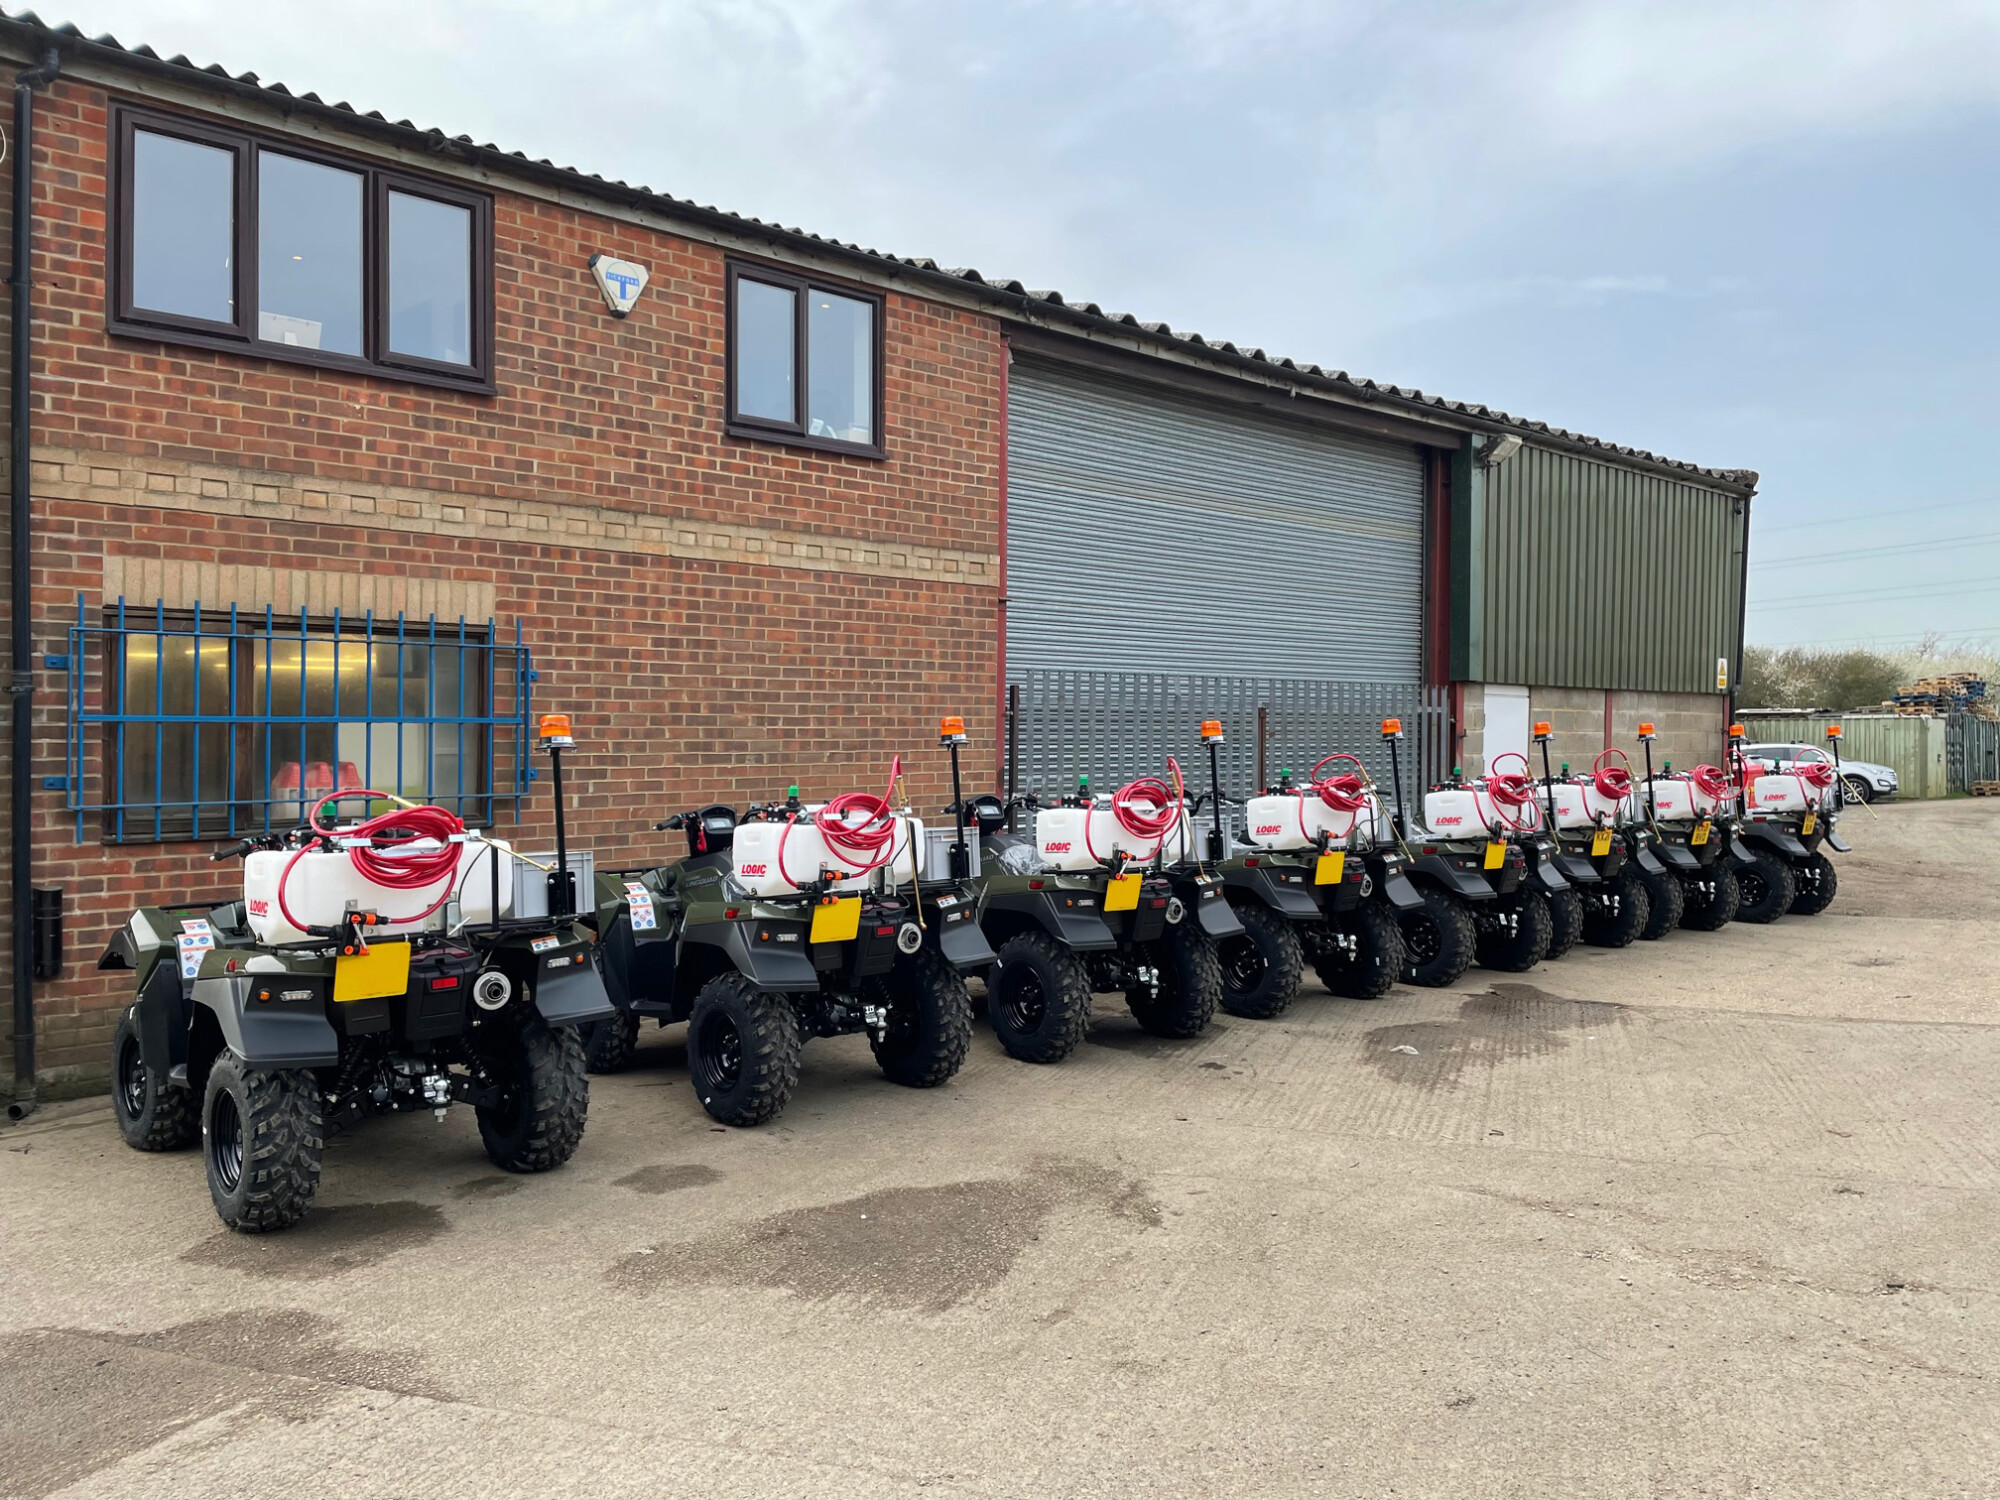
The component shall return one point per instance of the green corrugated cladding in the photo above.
(1594, 577)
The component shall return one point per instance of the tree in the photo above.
(1799, 677)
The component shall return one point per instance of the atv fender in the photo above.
(964, 946)
(1550, 875)
(1679, 858)
(1778, 839)
(1402, 895)
(1577, 869)
(1083, 931)
(1215, 916)
(1649, 863)
(278, 1033)
(769, 967)
(1835, 841)
(161, 1015)
(569, 990)
(1283, 897)
(1470, 884)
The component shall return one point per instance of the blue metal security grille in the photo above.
(214, 724)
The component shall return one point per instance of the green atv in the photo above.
(1146, 930)
(260, 1050)
(753, 977)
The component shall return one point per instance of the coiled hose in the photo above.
(384, 860)
(1166, 803)
(1612, 780)
(1512, 793)
(868, 844)
(1346, 792)
(1711, 781)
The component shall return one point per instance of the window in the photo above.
(805, 362)
(229, 241)
(216, 725)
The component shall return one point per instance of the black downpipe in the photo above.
(20, 685)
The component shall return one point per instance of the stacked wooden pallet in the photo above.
(1955, 692)
(1986, 788)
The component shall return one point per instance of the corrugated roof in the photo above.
(1008, 295)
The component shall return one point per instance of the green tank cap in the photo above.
(1565, 769)
(1458, 773)
(1668, 769)
(792, 792)
(1083, 783)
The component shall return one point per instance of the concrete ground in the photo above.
(1713, 1216)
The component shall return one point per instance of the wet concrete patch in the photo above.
(85, 1401)
(495, 1185)
(328, 1242)
(925, 1248)
(667, 1178)
(1509, 1023)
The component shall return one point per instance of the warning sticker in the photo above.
(639, 901)
(192, 946)
(546, 944)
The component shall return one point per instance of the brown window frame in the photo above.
(124, 320)
(794, 434)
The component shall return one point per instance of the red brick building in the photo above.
(318, 397)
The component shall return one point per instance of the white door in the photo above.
(1506, 725)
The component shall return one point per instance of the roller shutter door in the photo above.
(1149, 531)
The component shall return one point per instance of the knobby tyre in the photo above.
(930, 1021)
(743, 1050)
(1664, 900)
(1369, 969)
(1518, 948)
(262, 1136)
(1038, 998)
(152, 1114)
(1767, 888)
(538, 1123)
(1183, 1000)
(1439, 939)
(1565, 920)
(1262, 965)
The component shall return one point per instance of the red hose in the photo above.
(1814, 773)
(1346, 792)
(1511, 791)
(1711, 781)
(1614, 782)
(869, 844)
(1157, 824)
(383, 861)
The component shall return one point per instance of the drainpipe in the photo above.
(20, 685)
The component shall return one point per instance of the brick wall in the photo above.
(720, 617)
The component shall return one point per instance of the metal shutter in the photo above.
(1150, 531)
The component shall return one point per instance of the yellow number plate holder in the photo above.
(1496, 854)
(1122, 893)
(836, 921)
(1700, 834)
(383, 971)
(1331, 868)
(1600, 841)
(1811, 822)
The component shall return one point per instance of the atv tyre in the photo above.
(608, 1046)
(1767, 888)
(1439, 939)
(1370, 969)
(152, 1114)
(1702, 912)
(262, 1133)
(1038, 998)
(1621, 929)
(1665, 901)
(1565, 920)
(743, 1050)
(1519, 950)
(930, 1021)
(1182, 1001)
(1817, 883)
(539, 1125)
(1262, 965)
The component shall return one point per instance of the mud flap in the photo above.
(1550, 877)
(965, 947)
(1216, 916)
(1402, 895)
(1681, 859)
(1577, 869)
(1836, 842)
(1468, 884)
(279, 1033)
(572, 994)
(1283, 897)
(1648, 863)
(769, 967)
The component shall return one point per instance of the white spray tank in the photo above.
(1090, 834)
(806, 842)
(324, 886)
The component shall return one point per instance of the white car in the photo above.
(1864, 779)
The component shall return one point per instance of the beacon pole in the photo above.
(1542, 731)
(1211, 735)
(951, 734)
(1839, 781)
(556, 738)
(1646, 740)
(1392, 731)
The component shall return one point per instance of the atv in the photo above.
(1786, 821)
(1106, 895)
(789, 921)
(1620, 891)
(1509, 851)
(261, 1024)
(1691, 819)
(1319, 880)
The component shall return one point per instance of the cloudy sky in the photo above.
(1754, 236)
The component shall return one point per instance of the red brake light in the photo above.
(445, 982)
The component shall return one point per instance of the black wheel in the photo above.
(152, 1114)
(1182, 1000)
(1713, 903)
(261, 1135)
(1565, 920)
(743, 1050)
(930, 1021)
(1615, 911)
(1664, 901)
(1038, 998)
(1262, 965)
(1857, 789)
(608, 1045)
(1370, 955)
(545, 1096)
(1767, 888)
(1517, 946)
(1438, 939)
(1816, 882)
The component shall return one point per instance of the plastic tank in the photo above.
(324, 887)
(1783, 792)
(1470, 812)
(1086, 838)
(1295, 820)
(772, 861)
